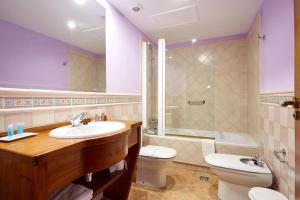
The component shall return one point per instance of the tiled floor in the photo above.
(183, 183)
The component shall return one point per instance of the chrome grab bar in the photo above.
(281, 155)
(199, 103)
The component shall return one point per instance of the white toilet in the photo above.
(236, 178)
(258, 193)
(152, 164)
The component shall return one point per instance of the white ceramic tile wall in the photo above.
(14, 118)
(42, 117)
(278, 130)
(1, 122)
(215, 73)
(38, 118)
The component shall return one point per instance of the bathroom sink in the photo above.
(92, 129)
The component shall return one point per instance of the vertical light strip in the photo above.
(161, 86)
(144, 86)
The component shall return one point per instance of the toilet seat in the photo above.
(258, 193)
(233, 162)
(158, 152)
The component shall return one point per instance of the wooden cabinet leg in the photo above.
(120, 189)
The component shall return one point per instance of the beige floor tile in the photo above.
(183, 183)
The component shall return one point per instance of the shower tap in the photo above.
(154, 125)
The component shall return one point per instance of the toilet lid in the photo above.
(157, 152)
(258, 193)
(229, 161)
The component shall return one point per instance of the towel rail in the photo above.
(198, 103)
(281, 155)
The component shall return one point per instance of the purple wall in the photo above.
(206, 41)
(29, 51)
(32, 60)
(23, 52)
(277, 73)
(123, 51)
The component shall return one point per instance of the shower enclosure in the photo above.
(149, 88)
(195, 87)
(192, 92)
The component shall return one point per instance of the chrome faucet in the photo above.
(76, 121)
(102, 117)
(259, 161)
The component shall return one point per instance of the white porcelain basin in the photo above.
(93, 129)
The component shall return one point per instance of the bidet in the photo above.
(255, 161)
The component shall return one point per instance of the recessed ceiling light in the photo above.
(71, 24)
(170, 57)
(80, 2)
(137, 8)
(194, 40)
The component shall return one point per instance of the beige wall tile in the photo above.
(284, 117)
(62, 115)
(253, 80)
(37, 118)
(207, 72)
(2, 128)
(42, 117)
(14, 118)
(87, 73)
(275, 139)
(277, 131)
(291, 139)
(283, 187)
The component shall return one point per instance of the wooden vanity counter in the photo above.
(34, 168)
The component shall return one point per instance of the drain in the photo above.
(204, 178)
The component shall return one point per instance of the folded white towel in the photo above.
(73, 192)
(208, 147)
(118, 167)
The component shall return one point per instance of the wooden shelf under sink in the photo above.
(101, 180)
(41, 165)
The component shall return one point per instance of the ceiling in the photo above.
(50, 17)
(181, 20)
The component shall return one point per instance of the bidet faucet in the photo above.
(76, 121)
(259, 161)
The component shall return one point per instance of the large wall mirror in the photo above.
(53, 44)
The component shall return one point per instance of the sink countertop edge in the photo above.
(65, 144)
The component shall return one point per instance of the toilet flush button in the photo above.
(258, 193)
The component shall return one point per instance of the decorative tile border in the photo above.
(275, 98)
(42, 101)
(8, 102)
(17, 102)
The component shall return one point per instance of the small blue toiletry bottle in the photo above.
(10, 130)
(20, 128)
